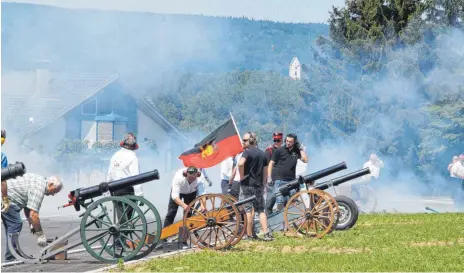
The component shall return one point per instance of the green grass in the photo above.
(381, 242)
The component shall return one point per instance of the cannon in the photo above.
(220, 225)
(311, 211)
(110, 221)
(13, 171)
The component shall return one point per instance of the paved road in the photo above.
(77, 262)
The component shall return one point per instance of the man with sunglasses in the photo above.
(252, 167)
(270, 197)
(282, 167)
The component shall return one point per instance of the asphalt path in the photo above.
(76, 262)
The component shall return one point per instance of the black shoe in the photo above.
(268, 237)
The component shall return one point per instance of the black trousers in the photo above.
(172, 207)
(119, 208)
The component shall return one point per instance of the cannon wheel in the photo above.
(114, 229)
(153, 226)
(220, 215)
(243, 222)
(314, 219)
(349, 213)
(335, 207)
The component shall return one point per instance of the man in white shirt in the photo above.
(185, 188)
(374, 164)
(230, 177)
(124, 163)
(457, 174)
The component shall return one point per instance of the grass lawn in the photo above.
(379, 242)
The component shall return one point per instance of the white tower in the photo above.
(294, 70)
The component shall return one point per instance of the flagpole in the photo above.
(236, 129)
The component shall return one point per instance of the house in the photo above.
(294, 70)
(41, 108)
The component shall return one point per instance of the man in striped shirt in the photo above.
(27, 192)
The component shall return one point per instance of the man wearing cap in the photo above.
(125, 163)
(270, 197)
(5, 199)
(186, 186)
(282, 167)
(27, 192)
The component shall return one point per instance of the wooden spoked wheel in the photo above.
(335, 207)
(243, 223)
(214, 227)
(309, 213)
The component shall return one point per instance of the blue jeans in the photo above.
(12, 223)
(281, 200)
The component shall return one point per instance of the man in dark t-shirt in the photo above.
(270, 197)
(253, 176)
(282, 167)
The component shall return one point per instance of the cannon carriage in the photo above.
(114, 228)
(312, 211)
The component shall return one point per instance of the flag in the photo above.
(222, 143)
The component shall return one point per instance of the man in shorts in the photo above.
(252, 167)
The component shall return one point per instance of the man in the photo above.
(230, 177)
(270, 198)
(252, 167)
(374, 164)
(124, 163)
(457, 173)
(27, 192)
(282, 167)
(5, 199)
(185, 188)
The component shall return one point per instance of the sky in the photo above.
(295, 11)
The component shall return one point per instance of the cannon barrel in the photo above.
(295, 184)
(13, 170)
(82, 194)
(95, 191)
(244, 201)
(342, 179)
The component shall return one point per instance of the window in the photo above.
(105, 132)
(120, 129)
(105, 106)
(89, 107)
(89, 131)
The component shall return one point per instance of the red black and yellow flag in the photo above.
(222, 143)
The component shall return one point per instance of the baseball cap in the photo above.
(277, 135)
(192, 170)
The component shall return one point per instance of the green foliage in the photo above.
(77, 154)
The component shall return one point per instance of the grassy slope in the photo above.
(384, 242)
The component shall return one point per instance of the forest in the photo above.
(380, 76)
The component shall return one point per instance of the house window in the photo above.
(89, 131)
(89, 107)
(120, 129)
(105, 132)
(105, 106)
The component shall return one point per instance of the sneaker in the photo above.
(268, 237)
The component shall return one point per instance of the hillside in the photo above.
(138, 43)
